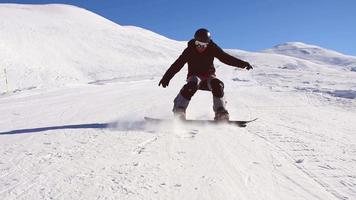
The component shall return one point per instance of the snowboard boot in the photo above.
(221, 114)
(180, 105)
(219, 107)
(179, 113)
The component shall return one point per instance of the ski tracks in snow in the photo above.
(169, 162)
(225, 162)
(316, 155)
(273, 158)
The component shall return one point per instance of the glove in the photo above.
(248, 66)
(164, 82)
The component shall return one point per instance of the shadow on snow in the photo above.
(119, 125)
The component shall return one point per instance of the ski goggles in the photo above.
(201, 44)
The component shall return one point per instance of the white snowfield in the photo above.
(75, 88)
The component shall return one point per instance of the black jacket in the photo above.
(202, 63)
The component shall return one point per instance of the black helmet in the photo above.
(202, 35)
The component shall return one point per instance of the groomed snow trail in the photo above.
(91, 143)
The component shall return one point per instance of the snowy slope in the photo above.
(89, 141)
(286, 73)
(56, 45)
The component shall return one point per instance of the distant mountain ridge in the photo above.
(313, 53)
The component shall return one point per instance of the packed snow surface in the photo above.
(75, 88)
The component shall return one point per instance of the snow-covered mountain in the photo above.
(56, 45)
(89, 141)
(314, 54)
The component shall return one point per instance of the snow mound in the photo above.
(313, 53)
(56, 45)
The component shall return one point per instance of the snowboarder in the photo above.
(200, 55)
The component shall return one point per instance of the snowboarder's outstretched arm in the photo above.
(175, 67)
(231, 60)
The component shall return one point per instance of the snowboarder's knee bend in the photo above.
(189, 89)
(217, 87)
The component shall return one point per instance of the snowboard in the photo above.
(240, 123)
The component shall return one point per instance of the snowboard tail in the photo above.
(240, 123)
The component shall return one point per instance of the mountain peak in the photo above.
(312, 53)
(300, 46)
(293, 44)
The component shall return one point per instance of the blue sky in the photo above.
(243, 24)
